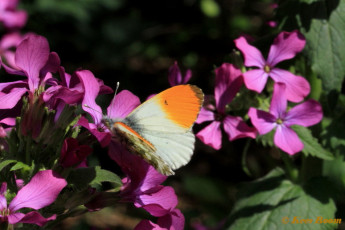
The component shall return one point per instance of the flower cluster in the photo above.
(288, 87)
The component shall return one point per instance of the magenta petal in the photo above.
(52, 64)
(174, 220)
(306, 114)
(31, 56)
(15, 217)
(236, 128)
(91, 89)
(102, 137)
(41, 191)
(147, 225)
(14, 19)
(211, 135)
(279, 102)
(263, 121)
(9, 100)
(228, 82)
(5, 86)
(205, 115)
(174, 76)
(122, 104)
(252, 56)
(30, 218)
(255, 79)
(158, 203)
(287, 140)
(285, 46)
(187, 76)
(3, 201)
(297, 87)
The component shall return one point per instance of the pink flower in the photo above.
(284, 47)
(34, 60)
(122, 104)
(72, 153)
(10, 16)
(7, 43)
(306, 114)
(228, 83)
(40, 192)
(175, 76)
(172, 221)
(142, 185)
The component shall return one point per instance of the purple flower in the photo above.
(10, 16)
(228, 82)
(33, 60)
(175, 76)
(40, 192)
(142, 186)
(72, 154)
(305, 114)
(122, 104)
(7, 43)
(284, 47)
(172, 221)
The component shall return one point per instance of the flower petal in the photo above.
(228, 82)
(255, 79)
(306, 114)
(297, 87)
(279, 102)
(263, 121)
(14, 19)
(41, 191)
(252, 56)
(91, 90)
(285, 46)
(173, 221)
(211, 135)
(31, 56)
(102, 137)
(287, 140)
(9, 100)
(158, 203)
(30, 218)
(236, 128)
(122, 104)
(205, 115)
(3, 201)
(174, 75)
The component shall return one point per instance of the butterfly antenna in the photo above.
(117, 87)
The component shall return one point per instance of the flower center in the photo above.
(279, 121)
(5, 212)
(267, 68)
(219, 117)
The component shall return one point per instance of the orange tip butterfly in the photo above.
(160, 129)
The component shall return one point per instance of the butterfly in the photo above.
(160, 129)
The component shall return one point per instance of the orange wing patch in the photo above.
(134, 133)
(182, 104)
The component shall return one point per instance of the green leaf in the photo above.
(311, 144)
(335, 171)
(20, 165)
(267, 139)
(274, 202)
(92, 176)
(4, 163)
(323, 23)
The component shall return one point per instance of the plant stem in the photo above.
(290, 169)
(244, 157)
